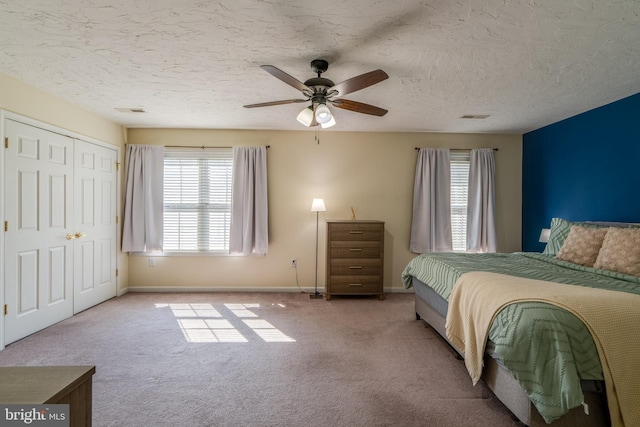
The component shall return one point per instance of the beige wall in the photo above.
(28, 101)
(20, 98)
(372, 172)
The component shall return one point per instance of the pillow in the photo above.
(620, 251)
(559, 231)
(582, 245)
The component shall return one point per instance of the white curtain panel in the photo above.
(249, 205)
(142, 226)
(431, 222)
(481, 209)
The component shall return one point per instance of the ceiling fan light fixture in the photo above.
(306, 116)
(320, 91)
(323, 114)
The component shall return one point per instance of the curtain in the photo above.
(249, 206)
(142, 228)
(431, 222)
(481, 217)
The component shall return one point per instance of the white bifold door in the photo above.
(60, 229)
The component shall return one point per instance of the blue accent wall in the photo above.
(586, 167)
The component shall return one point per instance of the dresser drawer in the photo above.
(355, 249)
(355, 231)
(358, 266)
(354, 285)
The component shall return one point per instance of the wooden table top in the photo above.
(40, 384)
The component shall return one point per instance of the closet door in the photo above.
(95, 227)
(39, 213)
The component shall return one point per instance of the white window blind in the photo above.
(459, 196)
(197, 199)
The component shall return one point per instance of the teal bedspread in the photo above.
(547, 349)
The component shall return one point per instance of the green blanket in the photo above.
(442, 270)
(547, 349)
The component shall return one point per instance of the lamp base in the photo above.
(317, 295)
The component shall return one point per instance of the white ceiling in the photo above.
(195, 63)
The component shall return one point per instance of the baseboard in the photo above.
(187, 289)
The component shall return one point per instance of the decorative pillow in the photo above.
(560, 229)
(620, 251)
(582, 245)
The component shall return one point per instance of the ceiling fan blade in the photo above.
(269, 104)
(360, 82)
(359, 107)
(291, 81)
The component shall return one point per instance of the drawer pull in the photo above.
(355, 232)
(355, 250)
(355, 284)
(355, 267)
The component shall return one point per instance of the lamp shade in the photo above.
(329, 123)
(306, 116)
(544, 235)
(318, 205)
(323, 114)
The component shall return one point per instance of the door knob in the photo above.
(79, 235)
(70, 236)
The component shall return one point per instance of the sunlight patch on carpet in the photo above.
(203, 323)
(267, 331)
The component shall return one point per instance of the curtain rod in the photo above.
(455, 149)
(198, 146)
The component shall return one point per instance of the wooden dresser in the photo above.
(355, 258)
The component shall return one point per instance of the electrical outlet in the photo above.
(152, 262)
(294, 263)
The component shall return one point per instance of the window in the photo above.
(459, 196)
(197, 200)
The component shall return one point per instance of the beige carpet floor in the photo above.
(263, 359)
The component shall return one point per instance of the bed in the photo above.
(541, 356)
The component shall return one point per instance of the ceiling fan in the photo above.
(321, 91)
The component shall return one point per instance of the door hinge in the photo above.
(6, 226)
(6, 309)
(6, 142)
(117, 272)
(117, 219)
(117, 166)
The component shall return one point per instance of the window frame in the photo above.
(460, 161)
(203, 207)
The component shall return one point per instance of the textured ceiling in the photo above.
(195, 63)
